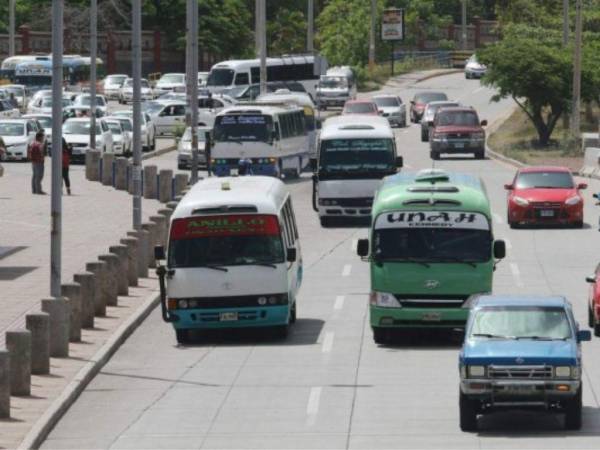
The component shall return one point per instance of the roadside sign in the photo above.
(392, 24)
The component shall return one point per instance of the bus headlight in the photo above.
(183, 304)
(384, 300)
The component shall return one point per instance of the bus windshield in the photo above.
(357, 154)
(220, 77)
(333, 82)
(225, 240)
(432, 236)
(243, 127)
(34, 80)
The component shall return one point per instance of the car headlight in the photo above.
(440, 137)
(575, 200)
(562, 372)
(476, 371)
(384, 300)
(520, 201)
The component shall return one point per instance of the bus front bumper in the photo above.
(260, 316)
(259, 166)
(418, 317)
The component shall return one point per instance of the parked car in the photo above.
(43, 105)
(202, 78)
(420, 100)
(521, 352)
(76, 132)
(127, 127)
(121, 139)
(170, 82)
(360, 107)
(148, 129)
(429, 115)
(8, 110)
(457, 130)
(184, 148)
(126, 91)
(45, 122)
(167, 117)
(85, 100)
(19, 92)
(392, 108)
(474, 69)
(17, 134)
(112, 84)
(545, 195)
(37, 96)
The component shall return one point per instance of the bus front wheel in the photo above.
(183, 336)
(380, 335)
(281, 331)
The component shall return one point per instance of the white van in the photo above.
(336, 87)
(233, 257)
(354, 153)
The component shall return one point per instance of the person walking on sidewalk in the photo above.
(66, 161)
(36, 155)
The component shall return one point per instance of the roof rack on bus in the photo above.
(433, 189)
(433, 201)
(432, 176)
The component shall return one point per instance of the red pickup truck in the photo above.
(457, 130)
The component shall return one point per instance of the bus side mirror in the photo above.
(508, 187)
(362, 248)
(399, 161)
(159, 253)
(274, 136)
(499, 249)
(313, 164)
(291, 255)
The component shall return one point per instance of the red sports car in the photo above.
(594, 302)
(545, 196)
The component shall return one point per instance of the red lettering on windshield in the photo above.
(219, 226)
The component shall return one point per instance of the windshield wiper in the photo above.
(540, 338)
(458, 260)
(409, 260)
(492, 336)
(214, 267)
(264, 264)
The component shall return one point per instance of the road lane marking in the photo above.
(498, 218)
(516, 273)
(312, 407)
(339, 302)
(347, 269)
(328, 342)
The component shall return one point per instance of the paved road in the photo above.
(329, 385)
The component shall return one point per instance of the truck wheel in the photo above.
(479, 154)
(293, 314)
(468, 413)
(424, 136)
(325, 222)
(434, 155)
(573, 411)
(380, 335)
(183, 336)
(280, 331)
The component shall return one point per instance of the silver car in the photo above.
(474, 69)
(184, 148)
(392, 108)
(429, 114)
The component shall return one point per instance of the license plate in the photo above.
(228, 316)
(431, 317)
(519, 389)
(76, 151)
(547, 213)
(459, 145)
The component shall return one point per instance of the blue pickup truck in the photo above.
(521, 353)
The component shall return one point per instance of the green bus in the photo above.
(431, 247)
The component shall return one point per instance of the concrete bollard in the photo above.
(150, 189)
(123, 281)
(132, 259)
(181, 182)
(107, 169)
(18, 344)
(4, 384)
(87, 283)
(165, 187)
(113, 266)
(60, 315)
(142, 251)
(99, 270)
(150, 227)
(39, 326)
(121, 174)
(72, 291)
(161, 229)
(92, 165)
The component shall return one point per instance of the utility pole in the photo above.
(310, 38)
(372, 36)
(463, 26)
(93, 57)
(565, 22)
(257, 10)
(136, 72)
(56, 193)
(575, 122)
(263, 46)
(194, 86)
(11, 28)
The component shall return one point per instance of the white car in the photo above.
(17, 134)
(170, 82)
(39, 94)
(167, 117)
(184, 148)
(148, 128)
(126, 91)
(392, 108)
(86, 100)
(8, 110)
(43, 105)
(202, 79)
(121, 139)
(126, 126)
(45, 122)
(18, 90)
(112, 85)
(76, 132)
(474, 69)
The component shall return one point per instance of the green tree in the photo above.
(286, 33)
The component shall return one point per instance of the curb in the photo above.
(155, 153)
(499, 156)
(40, 430)
(439, 74)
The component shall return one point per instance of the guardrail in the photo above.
(439, 58)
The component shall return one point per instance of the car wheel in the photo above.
(281, 331)
(434, 155)
(480, 154)
(183, 336)
(467, 75)
(578, 224)
(293, 314)
(590, 317)
(325, 222)
(468, 413)
(381, 335)
(573, 410)
(424, 136)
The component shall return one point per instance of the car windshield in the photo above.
(172, 78)
(87, 101)
(235, 91)
(45, 121)
(115, 127)
(12, 129)
(357, 154)
(47, 102)
(126, 124)
(360, 108)
(333, 82)
(432, 109)
(115, 80)
(458, 118)
(14, 90)
(243, 127)
(520, 322)
(228, 240)
(187, 136)
(426, 97)
(79, 128)
(220, 77)
(386, 102)
(550, 180)
(153, 107)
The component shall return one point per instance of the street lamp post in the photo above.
(136, 72)
(575, 122)
(310, 38)
(11, 28)
(372, 36)
(93, 57)
(194, 88)
(263, 46)
(463, 25)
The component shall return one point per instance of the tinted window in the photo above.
(11, 129)
(457, 118)
(357, 154)
(360, 108)
(556, 180)
(241, 78)
(386, 101)
(220, 77)
(426, 97)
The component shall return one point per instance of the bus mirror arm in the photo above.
(314, 193)
(162, 271)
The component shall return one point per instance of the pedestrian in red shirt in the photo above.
(36, 156)
(66, 161)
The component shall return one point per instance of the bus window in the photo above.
(255, 72)
(244, 127)
(241, 79)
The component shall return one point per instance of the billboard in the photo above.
(392, 24)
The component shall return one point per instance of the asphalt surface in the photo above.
(329, 385)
